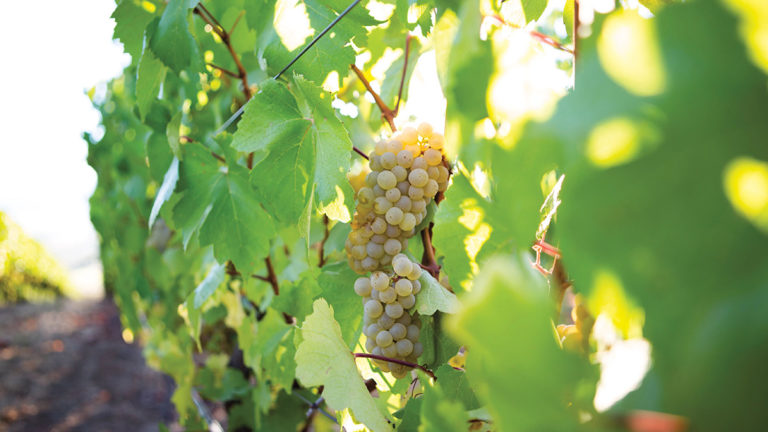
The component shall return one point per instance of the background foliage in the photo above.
(660, 218)
(27, 271)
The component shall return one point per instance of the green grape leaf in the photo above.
(212, 280)
(264, 342)
(411, 415)
(323, 358)
(460, 217)
(439, 413)
(165, 191)
(149, 77)
(516, 365)
(434, 297)
(336, 282)
(652, 216)
(219, 203)
(173, 132)
(568, 15)
(130, 22)
(172, 42)
(533, 9)
(455, 386)
(304, 146)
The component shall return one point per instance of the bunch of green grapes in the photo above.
(407, 173)
(391, 329)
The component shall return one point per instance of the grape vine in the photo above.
(267, 206)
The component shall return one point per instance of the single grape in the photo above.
(432, 156)
(403, 187)
(405, 158)
(436, 141)
(380, 148)
(404, 347)
(424, 129)
(375, 250)
(377, 191)
(398, 331)
(409, 135)
(418, 205)
(369, 264)
(365, 196)
(358, 252)
(381, 205)
(370, 179)
(374, 162)
(402, 266)
(374, 309)
(375, 295)
(395, 310)
(385, 322)
(394, 146)
(415, 193)
(418, 349)
(418, 177)
(370, 344)
(415, 273)
(389, 351)
(394, 216)
(379, 225)
(408, 223)
(388, 160)
(384, 338)
(379, 239)
(372, 330)
(407, 302)
(393, 195)
(403, 287)
(392, 247)
(363, 286)
(443, 174)
(393, 232)
(379, 280)
(387, 180)
(404, 203)
(388, 295)
(413, 333)
(431, 188)
(419, 163)
(401, 174)
(433, 172)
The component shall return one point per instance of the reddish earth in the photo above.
(65, 367)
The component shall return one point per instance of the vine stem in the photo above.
(320, 252)
(386, 112)
(408, 38)
(206, 15)
(428, 260)
(398, 361)
(541, 37)
(360, 152)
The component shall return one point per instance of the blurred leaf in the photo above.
(150, 75)
(514, 361)
(212, 280)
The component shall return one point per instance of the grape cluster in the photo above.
(388, 298)
(407, 172)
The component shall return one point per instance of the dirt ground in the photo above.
(65, 367)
